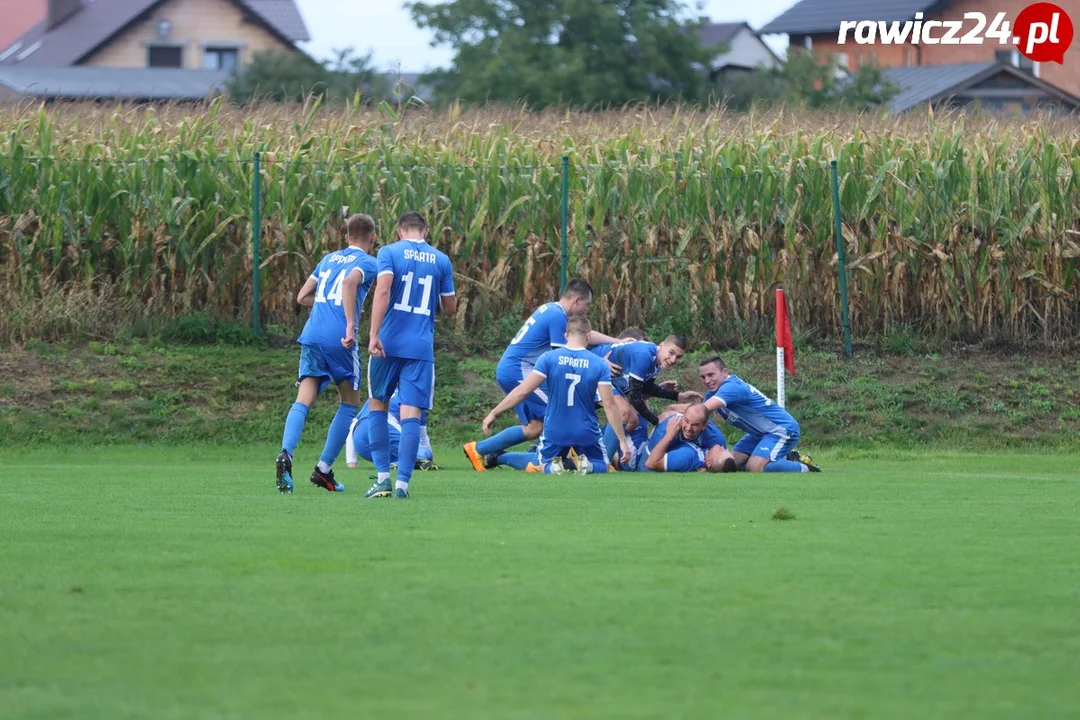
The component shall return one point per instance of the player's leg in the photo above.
(383, 374)
(313, 377)
(345, 368)
(482, 454)
(357, 446)
(425, 456)
(744, 449)
(416, 388)
(550, 458)
(769, 454)
(516, 460)
(592, 458)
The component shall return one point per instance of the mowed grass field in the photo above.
(176, 583)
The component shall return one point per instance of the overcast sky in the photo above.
(387, 29)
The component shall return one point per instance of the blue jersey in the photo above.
(571, 379)
(326, 324)
(636, 357)
(748, 409)
(707, 438)
(544, 330)
(422, 275)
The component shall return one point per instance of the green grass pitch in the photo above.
(177, 583)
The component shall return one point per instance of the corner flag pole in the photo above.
(785, 350)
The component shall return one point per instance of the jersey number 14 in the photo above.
(335, 289)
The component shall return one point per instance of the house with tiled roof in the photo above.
(991, 74)
(138, 49)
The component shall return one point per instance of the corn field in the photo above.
(954, 227)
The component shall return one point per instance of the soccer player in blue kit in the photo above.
(571, 377)
(359, 446)
(402, 346)
(687, 442)
(335, 292)
(771, 432)
(544, 330)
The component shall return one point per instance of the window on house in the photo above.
(164, 56)
(907, 56)
(1014, 58)
(840, 63)
(220, 58)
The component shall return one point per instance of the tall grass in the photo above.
(963, 228)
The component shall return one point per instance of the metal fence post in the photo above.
(565, 216)
(256, 237)
(842, 262)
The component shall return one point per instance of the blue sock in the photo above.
(611, 443)
(294, 426)
(410, 443)
(338, 432)
(497, 443)
(784, 466)
(518, 460)
(598, 467)
(379, 440)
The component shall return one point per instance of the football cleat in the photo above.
(557, 467)
(379, 489)
(808, 462)
(284, 473)
(530, 468)
(491, 461)
(326, 481)
(584, 466)
(475, 458)
(426, 465)
(400, 494)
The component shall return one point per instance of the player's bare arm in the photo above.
(607, 400)
(348, 302)
(655, 461)
(379, 304)
(522, 391)
(599, 338)
(306, 296)
(448, 304)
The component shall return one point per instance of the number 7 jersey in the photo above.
(325, 325)
(571, 377)
(422, 275)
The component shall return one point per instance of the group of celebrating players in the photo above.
(556, 372)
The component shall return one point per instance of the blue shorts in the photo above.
(531, 408)
(595, 452)
(413, 379)
(330, 365)
(358, 436)
(771, 447)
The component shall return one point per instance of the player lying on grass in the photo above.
(335, 292)
(521, 460)
(771, 432)
(687, 442)
(544, 330)
(572, 377)
(402, 346)
(358, 445)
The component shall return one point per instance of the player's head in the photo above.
(577, 297)
(632, 333)
(719, 459)
(669, 351)
(577, 330)
(712, 371)
(360, 229)
(695, 417)
(411, 225)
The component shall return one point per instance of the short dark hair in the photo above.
(729, 465)
(632, 332)
(412, 221)
(713, 359)
(678, 341)
(360, 226)
(578, 288)
(578, 325)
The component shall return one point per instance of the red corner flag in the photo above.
(783, 332)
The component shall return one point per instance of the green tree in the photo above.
(805, 79)
(572, 52)
(293, 76)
